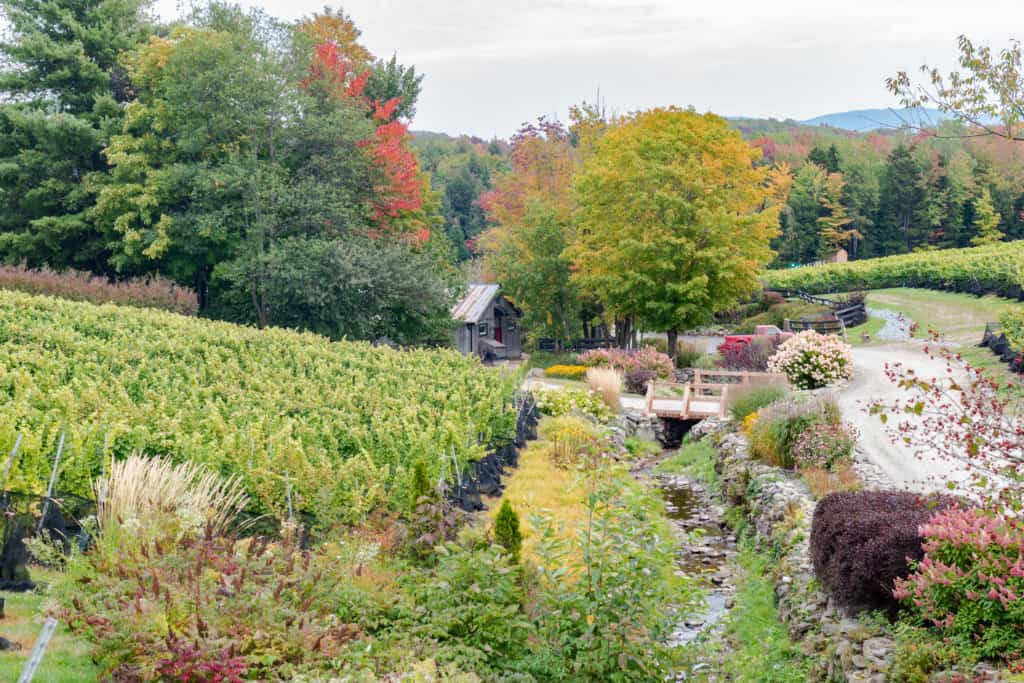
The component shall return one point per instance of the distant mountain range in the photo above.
(862, 120)
(855, 120)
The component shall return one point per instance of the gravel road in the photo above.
(894, 458)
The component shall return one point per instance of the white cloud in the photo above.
(492, 65)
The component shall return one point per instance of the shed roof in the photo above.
(475, 304)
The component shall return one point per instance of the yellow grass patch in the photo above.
(538, 486)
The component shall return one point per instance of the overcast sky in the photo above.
(492, 65)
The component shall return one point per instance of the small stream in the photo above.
(707, 557)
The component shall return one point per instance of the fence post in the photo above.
(49, 626)
(53, 480)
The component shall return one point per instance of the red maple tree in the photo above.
(400, 190)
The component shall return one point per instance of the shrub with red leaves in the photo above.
(752, 357)
(636, 380)
(861, 543)
(210, 608)
(151, 292)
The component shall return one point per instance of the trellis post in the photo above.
(53, 480)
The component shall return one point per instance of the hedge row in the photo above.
(991, 269)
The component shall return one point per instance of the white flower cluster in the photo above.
(811, 360)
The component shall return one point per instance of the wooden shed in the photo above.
(488, 324)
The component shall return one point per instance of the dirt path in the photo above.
(895, 458)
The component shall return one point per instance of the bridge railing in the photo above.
(705, 392)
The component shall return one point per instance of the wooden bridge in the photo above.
(709, 395)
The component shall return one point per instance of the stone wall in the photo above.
(779, 509)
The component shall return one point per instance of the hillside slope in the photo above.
(344, 421)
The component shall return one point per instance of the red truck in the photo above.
(734, 341)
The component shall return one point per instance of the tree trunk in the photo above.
(673, 343)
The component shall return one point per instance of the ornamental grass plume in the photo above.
(141, 491)
(606, 383)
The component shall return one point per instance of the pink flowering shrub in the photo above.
(647, 358)
(811, 360)
(970, 583)
(824, 445)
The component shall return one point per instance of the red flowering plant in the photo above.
(970, 582)
(825, 445)
(206, 607)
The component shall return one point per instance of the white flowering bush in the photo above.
(811, 360)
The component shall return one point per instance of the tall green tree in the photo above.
(835, 227)
(800, 239)
(674, 219)
(826, 157)
(901, 223)
(532, 267)
(64, 91)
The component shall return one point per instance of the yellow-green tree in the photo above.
(836, 226)
(673, 220)
(986, 221)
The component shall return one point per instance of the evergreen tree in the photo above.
(986, 220)
(506, 531)
(800, 241)
(64, 92)
(835, 226)
(900, 226)
(827, 158)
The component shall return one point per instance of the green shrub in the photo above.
(569, 401)
(506, 531)
(707, 361)
(753, 400)
(600, 611)
(778, 426)
(640, 448)
(468, 611)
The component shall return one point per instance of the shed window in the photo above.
(483, 329)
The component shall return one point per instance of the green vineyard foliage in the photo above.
(341, 423)
(992, 269)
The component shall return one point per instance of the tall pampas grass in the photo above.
(147, 491)
(607, 383)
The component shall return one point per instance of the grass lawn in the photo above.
(762, 649)
(67, 658)
(872, 327)
(960, 318)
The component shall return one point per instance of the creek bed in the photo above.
(708, 553)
